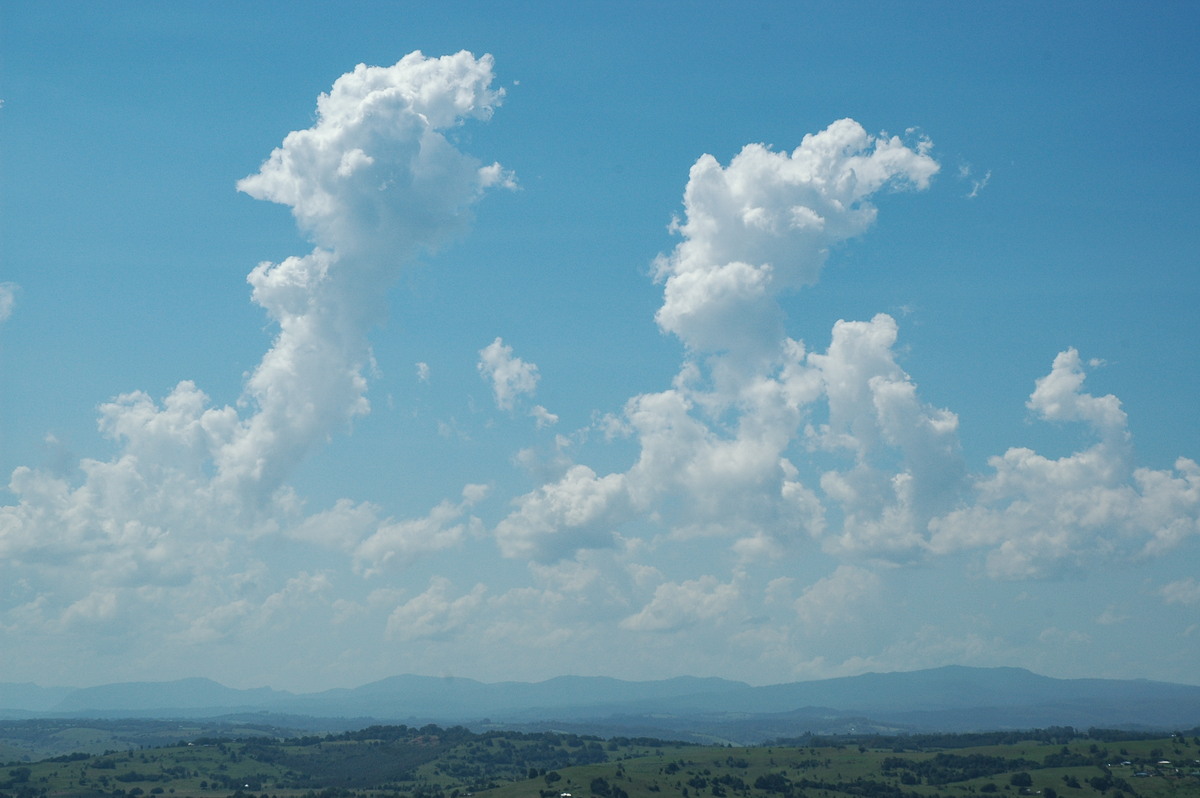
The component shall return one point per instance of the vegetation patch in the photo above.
(435, 762)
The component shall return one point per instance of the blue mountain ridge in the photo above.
(951, 698)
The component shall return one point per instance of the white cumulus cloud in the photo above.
(1036, 516)
(715, 449)
(838, 598)
(765, 223)
(434, 614)
(677, 605)
(1183, 591)
(511, 377)
(396, 543)
(168, 531)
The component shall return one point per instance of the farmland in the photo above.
(435, 762)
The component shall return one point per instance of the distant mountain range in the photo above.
(953, 698)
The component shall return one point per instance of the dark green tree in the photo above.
(1021, 779)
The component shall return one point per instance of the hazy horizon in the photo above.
(197, 677)
(775, 342)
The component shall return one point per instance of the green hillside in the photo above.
(434, 762)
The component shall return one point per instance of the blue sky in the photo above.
(765, 341)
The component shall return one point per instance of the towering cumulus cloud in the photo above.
(374, 182)
(761, 443)
(715, 445)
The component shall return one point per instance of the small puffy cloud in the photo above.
(511, 377)
(1059, 397)
(217, 622)
(1185, 592)
(496, 175)
(677, 605)
(759, 547)
(422, 372)
(434, 614)
(579, 511)
(543, 417)
(340, 527)
(838, 598)
(96, 607)
(397, 543)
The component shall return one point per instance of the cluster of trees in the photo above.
(946, 768)
(514, 756)
(601, 787)
(780, 784)
(23, 791)
(16, 777)
(1052, 735)
(389, 756)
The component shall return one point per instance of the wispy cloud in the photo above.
(8, 300)
(977, 184)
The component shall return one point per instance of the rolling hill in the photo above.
(952, 698)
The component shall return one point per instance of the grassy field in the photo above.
(1017, 769)
(454, 763)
